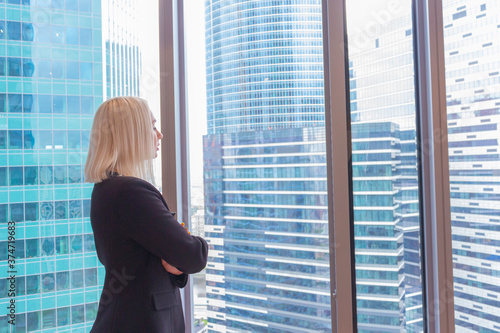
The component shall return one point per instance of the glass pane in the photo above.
(59, 60)
(258, 165)
(471, 46)
(385, 174)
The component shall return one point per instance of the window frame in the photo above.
(436, 211)
(433, 149)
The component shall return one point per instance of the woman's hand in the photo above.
(169, 268)
(184, 225)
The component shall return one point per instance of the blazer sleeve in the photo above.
(146, 220)
(179, 281)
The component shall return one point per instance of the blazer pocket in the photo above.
(164, 299)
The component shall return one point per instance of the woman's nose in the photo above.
(160, 136)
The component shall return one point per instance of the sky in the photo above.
(194, 27)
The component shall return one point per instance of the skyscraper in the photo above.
(265, 164)
(471, 37)
(123, 56)
(385, 176)
(265, 173)
(264, 65)
(51, 82)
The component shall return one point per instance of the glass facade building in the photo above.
(265, 168)
(123, 54)
(257, 172)
(267, 225)
(264, 65)
(53, 58)
(471, 42)
(265, 178)
(385, 173)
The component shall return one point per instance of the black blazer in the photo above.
(133, 229)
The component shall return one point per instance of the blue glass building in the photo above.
(385, 178)
(267, 224)
(264, 65)
(265, 173)
(265, 168)
(51, 82)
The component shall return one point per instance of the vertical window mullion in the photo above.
(435, 166)
(173, 123)
(338, 169)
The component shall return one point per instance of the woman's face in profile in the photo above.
(158, 137)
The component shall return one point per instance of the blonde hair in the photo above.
(122, 140)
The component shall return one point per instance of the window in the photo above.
(20, 288)
(15, 103)
(85, 5)
(474, 161)
(31, 211)
(91, 311)
(28, 103)
(61, 210)
(45, 102)
(47, 246)
(258, 172)
(74, 173)
(29, 140)
(73, 70)
(33, 320)
(62, 279)
(62, 245)
(43, 33)
(59, 104)
(76, 243)
(91, 277)
(13, 30)
(32, 284)
(49, 318)
(58, 34)
(89, 243)
(63, 316)
(77, 279)
(73, 104)
(14, 67)
(32, 248)
(85, 37)
(273, 187)
(86, 70)
(16, 212)
(48, 282)
(59, 171)
(458, 15)
(72, 35)
(87, 105)
(45, 172)
(77, 314)
(16, 175)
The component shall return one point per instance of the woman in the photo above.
(147, 254)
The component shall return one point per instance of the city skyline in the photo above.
(265, 175)
(382, 93)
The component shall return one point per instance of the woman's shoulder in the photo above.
(134, 192)
(125, 184)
